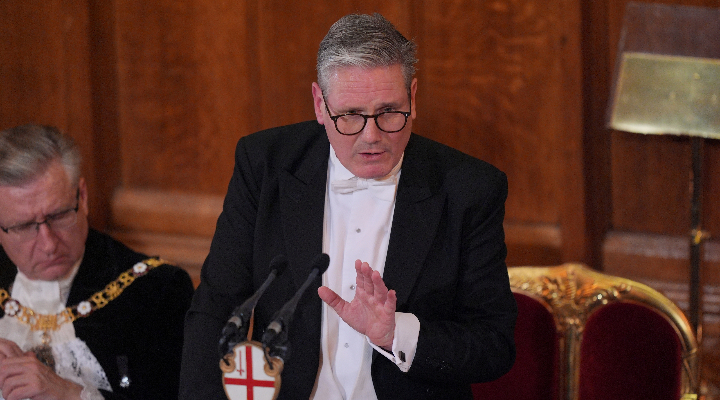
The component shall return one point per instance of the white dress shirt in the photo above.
(357, 226)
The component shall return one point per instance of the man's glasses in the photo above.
(352, 124)
(60, 220)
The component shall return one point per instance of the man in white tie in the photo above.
(416, 301)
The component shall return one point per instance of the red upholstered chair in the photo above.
(637, 345)
(534, 375)
(615, 339)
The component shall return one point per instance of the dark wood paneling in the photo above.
(32, 63)
(185, 94)
(44, 73)
(595, 170)
(177, 225)
(650, 177)
(288, 35)
(533, 244)
(490, 84)
(493, 83)
(186, 251)
(105, 161)
(501, 81)
(579, 227)
(159, 92)
(711, 187)
(287, 58)
(175, 84)
(658, 257)
(178, 213)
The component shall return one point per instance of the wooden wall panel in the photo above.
(288, 35)
(651, 183)
(175, 84)
(45, 71)
(32, 63)
(185, 92)
(711, 187)
(492, 83)
(158, 93)
(193, 78)
(491, 88)
(105, 160)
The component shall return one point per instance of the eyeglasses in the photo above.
(352, 124)
(60, 220)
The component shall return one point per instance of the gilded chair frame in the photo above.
(573, 292)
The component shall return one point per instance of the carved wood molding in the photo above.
(167, 212)
(657, 257)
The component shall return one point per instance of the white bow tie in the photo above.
(344, 186)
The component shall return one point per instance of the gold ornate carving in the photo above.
(570, 293)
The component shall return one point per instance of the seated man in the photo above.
(83, 316)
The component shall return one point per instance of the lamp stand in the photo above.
(696, 239)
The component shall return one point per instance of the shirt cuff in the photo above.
(407, 330)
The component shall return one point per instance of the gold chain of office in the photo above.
(52, 322)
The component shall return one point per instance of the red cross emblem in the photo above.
(249, 380)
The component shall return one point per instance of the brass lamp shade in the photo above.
(661, 94)
(667, 75)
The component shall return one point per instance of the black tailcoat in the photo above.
(445, 259)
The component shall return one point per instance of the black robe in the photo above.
(144, 325)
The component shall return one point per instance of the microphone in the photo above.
(236, 329)
(275, 336)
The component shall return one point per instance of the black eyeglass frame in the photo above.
(47, 217)
(335, 118)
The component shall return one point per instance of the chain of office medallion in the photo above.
(48, 322)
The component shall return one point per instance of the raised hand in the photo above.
(372, 311)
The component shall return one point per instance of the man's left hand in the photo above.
(372, 311)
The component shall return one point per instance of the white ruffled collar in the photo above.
(45, 297)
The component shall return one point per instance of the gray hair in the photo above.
(27, 151)
(366, 41)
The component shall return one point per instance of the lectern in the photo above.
(667, 81)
